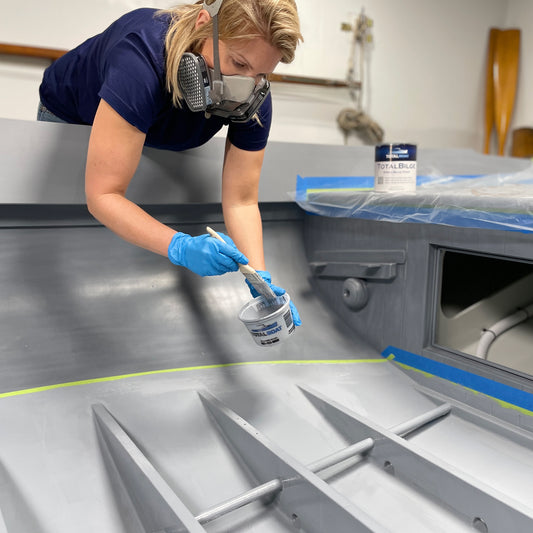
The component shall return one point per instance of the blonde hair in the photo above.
(275, 21)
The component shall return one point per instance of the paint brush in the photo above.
(255, 279)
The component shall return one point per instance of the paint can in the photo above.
(395, 168)
(269, 323)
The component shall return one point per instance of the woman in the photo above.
(134, 84)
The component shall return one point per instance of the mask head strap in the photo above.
(213, 7)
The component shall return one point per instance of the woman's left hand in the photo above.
(278, 291)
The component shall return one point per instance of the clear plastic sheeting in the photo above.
(454, 187)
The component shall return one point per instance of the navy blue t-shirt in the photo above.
(125, 66)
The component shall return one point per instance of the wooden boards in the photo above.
(501, 82)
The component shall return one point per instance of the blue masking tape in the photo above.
(492, 388)
(306, 187)
(362, 183)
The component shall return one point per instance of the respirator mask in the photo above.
(236, 98)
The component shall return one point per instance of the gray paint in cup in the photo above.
(269, 323)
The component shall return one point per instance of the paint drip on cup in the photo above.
(395, 168)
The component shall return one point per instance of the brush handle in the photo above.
(215, 235)
(260, 285)
(245, 269)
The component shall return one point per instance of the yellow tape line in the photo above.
(185, 369)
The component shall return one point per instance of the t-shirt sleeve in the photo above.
(133, 83)
(250, 135)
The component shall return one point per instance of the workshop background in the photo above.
(423, 73)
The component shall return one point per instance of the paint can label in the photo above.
(268, 323)
(395, 168)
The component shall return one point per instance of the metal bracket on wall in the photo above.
(365, 264)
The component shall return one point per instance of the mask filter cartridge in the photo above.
(193, 79)
(237, 100)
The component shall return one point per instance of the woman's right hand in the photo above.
(204, 255)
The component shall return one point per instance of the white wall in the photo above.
(520, 15)
(59, 24)
(426, 68)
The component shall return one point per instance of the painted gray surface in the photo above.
(84, 305)
(53, 457)
(44, 163)
(79, 304)
(400, 311)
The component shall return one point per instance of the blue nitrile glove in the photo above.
(204, 255)
(278, 291)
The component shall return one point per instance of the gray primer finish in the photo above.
(399, 311)
(44, 163)
(182, 411)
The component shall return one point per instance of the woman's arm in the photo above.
(240, 187)
(115, 148)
